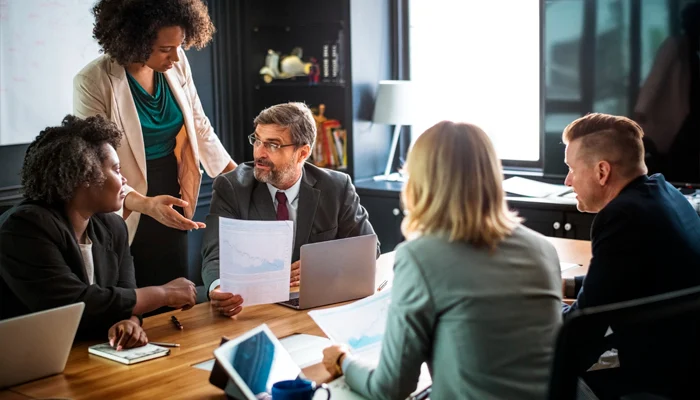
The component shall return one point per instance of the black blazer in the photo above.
(41, 266)
(328, 209)
(645, 242)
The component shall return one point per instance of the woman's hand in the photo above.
(161, 209)
(180, 293)
(333, 359)
(127, 334)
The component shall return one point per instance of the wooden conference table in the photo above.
(88, 376)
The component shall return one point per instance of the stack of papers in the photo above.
(532, 188)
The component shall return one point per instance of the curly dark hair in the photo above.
(64, 157)
(127, 29)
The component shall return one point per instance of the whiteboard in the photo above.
(43, 44)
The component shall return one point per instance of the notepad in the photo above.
(129, 356)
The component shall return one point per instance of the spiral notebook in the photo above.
(129, 356)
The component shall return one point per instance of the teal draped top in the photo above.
(160, 116)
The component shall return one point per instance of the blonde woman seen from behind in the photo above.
(475, 295)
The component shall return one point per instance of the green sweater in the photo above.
(483, 322)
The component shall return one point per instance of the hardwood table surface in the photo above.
(173, 377)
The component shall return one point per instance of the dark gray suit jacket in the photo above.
(328, 209)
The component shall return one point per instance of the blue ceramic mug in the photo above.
(299, 389)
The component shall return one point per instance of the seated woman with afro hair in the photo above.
(64, 244)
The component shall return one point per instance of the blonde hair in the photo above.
(455, 188)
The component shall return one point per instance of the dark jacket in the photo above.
(328, 209)
(41, 266)
(646, 242)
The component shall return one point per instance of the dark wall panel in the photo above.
(370, 45)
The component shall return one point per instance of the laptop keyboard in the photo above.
(294, 302)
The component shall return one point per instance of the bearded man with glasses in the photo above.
(280, 185)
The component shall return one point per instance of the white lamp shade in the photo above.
(395, 103)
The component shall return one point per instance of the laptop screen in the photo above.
(260, 362)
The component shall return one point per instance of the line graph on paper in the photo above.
(248, 263)
(360, 325)
(255, 259)
(254, 247)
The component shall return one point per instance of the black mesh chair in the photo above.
(659, 326)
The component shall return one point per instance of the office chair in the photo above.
(636, 318)
(4, 208)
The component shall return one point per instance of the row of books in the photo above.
(331, 60)
(330, 150)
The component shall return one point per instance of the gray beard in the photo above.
(275, 178)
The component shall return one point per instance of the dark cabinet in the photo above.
(383, 204)
(555, 220)
(385, 214)
(578, 225)
(548, 223)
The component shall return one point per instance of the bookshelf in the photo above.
(347, 87)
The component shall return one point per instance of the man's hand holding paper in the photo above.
(227, 304)
(295, 277)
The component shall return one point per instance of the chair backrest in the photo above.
(582, 327)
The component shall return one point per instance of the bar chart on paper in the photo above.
(360, 325)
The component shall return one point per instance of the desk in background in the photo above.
(556, 217)
(173, 377)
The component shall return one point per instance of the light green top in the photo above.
(484, 322)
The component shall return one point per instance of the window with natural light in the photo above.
(478, 61)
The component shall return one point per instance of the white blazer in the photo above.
(102, 88)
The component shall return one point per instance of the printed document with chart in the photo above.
(360, 325)
(255, 259)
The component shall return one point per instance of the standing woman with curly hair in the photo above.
(64, 244)
(144, 84)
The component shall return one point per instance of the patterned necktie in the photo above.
(282, 211)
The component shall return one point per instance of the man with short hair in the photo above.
(280, 185)
(645, 241)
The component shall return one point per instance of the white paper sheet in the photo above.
(565, 265)
(305, 349)
(255, 259)
(532, 188)
(360, 325)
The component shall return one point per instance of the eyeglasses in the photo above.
(271, 147)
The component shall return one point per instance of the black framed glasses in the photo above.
(272, 147)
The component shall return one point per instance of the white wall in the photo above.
(43, 44)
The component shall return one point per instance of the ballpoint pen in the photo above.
(176, 323)
(379, 289)
(423, 394)
(163, 344)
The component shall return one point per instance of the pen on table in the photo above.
(163, 344)
(382, 285)
(176, 323)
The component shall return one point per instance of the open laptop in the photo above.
(256, 360)
(335, 271)
(37, 345)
